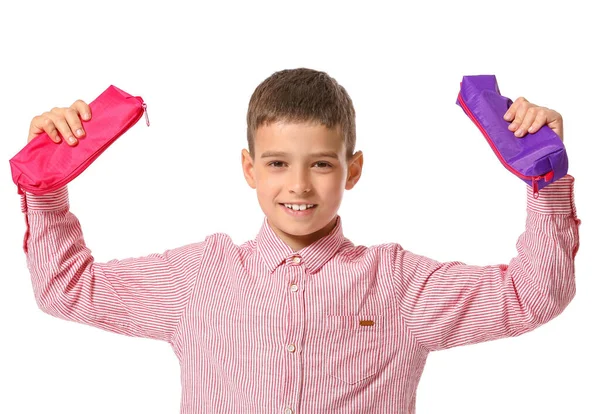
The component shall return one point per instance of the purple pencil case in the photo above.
(538, 159)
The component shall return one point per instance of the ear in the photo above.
(248, 168)
(354, 170)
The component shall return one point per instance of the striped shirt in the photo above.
(333, 327)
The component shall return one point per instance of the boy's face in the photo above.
(300, 163)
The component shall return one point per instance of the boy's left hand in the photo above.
(529, 118)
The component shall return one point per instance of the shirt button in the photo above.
(296, 259)
(288, 411)
(291, 348)
(294, 288)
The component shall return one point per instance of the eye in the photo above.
(323, 164)
(276, 164)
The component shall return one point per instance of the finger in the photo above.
(60, 122)
(83, 109)
(555, 122)
(510, 113)
(512, 110)
(72, 117)
(520, 116)
(528, 119)
(540, 121)
(41, 124)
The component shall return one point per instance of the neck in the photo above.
(297, 243)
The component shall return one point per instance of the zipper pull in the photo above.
(534, 185)
(146, 114)
(534, 182)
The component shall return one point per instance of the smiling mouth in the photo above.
(298, 207)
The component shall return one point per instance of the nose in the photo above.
(299, 181)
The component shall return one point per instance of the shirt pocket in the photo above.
(355, 345)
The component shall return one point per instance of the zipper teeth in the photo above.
(59, 184)
(489, 140)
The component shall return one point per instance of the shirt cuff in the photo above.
(555, 198)
(56, 200)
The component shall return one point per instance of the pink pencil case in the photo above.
(43, 166)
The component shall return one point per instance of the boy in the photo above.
(300, 320)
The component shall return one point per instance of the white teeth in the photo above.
(297, 207)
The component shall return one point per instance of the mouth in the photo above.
(298, 207)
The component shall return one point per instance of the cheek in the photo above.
(267, 185)
(331, 186)
(268, 182)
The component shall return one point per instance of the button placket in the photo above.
(295, 333)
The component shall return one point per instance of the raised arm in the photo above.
(452, 304)
(137, 296)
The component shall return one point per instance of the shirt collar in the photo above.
(275, 252)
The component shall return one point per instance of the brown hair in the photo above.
(302, 95)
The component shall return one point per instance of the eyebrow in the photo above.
(327, 154)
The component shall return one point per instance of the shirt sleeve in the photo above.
(452, 304)
(142, 297)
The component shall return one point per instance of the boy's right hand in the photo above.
(62, 122)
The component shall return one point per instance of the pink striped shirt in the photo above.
(333, 327)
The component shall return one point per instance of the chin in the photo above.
(299, 229)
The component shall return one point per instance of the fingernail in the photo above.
(519, 132)
(86, 116)
(530, 130)
(506, 116)
(71, 140)
(79, 132)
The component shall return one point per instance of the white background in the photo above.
(430, 180)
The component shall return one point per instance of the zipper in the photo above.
(83, 166)
(26, 210)
(534, 179)
(146, 113)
